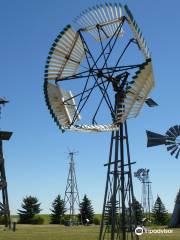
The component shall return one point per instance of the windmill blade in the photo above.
(171, 147)
(174, 150)
(137, 32)
(62, 113)
(65, 55)
(170, 138)
(155, 139)
(177, 129)
(150, 102)
(170, 141)
(3, 101)
(143, 82)
(177, 154)
(139, 174)
(107, 17)
(173, 130)
(170, 133)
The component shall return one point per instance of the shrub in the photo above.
(96, 221)
(2, 220)
(37, 220)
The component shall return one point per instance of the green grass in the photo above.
(50, 232)
(59, 232)
(171, 236)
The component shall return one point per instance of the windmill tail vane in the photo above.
(171, 139)
(155, 139)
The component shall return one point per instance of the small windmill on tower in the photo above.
(142, 175)
(71, 198)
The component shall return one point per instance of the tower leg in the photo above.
(118, 219)
(4, 204)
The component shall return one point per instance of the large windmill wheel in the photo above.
(85, 67)
(99, 74)
(171, 139)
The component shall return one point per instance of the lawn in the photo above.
(50, 232)
(56, 232)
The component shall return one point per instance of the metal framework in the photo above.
(171, 140)
(4, 203)
(118, 219)
(94, 81)
(71, 197)
(147, 198)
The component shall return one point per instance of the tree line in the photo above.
(31, 208)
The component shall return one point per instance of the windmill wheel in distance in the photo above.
(171, 139)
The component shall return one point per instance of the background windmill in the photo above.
(142, 175)
(171, 140)
(71, 197)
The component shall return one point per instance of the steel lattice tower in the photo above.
(118, 216)
(4, 203)
(147, 197)
(71, 197)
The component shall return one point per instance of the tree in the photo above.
(160, 214)
(175, 218)
(138, 211)
(58, 210)
(109, 212)
(30, 207)
(86, 210)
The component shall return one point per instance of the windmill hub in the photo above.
(177, 140)
(100, 74)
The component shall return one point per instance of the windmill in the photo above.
(96, 77)
(4, 202)
(171, 140)
(71, 197)
(142, 175)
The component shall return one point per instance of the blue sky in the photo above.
(36, 156)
